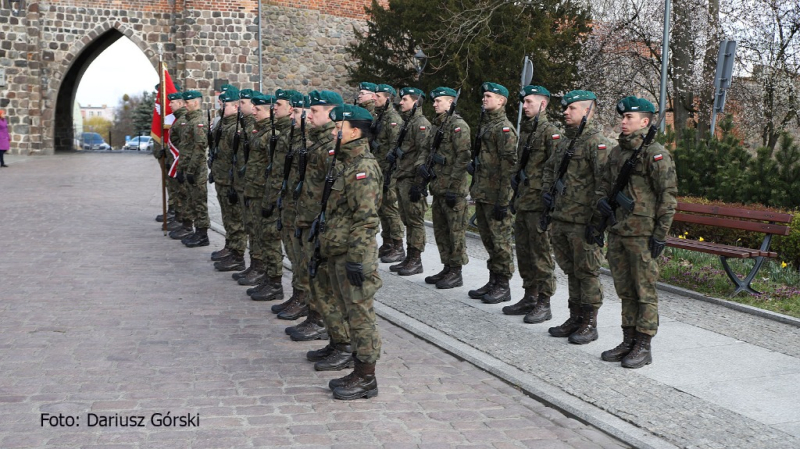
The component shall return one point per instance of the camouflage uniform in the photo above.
(193, 162)
(388, 125)
(222, 169)
(653, 188)
(349, 236)
(177, 192)
(534, 253)
(411, 213)
(239, 170)
(294, 249)
(492, 186)
(254, 182)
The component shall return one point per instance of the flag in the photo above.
(166, 87)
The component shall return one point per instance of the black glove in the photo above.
(180, 177)
(161, 154)
(547, 199)
(500, 212)
(415, 194)
(450, 199)
(190, 178)
(355, 273)
(471, 168)
(656, 247)
(593, 237)
(211, 178)
(604, 207)
(391, 158)
(514, 183)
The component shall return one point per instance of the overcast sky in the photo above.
(121, 69)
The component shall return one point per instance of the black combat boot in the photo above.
(255, 275)
(240, 274)
(524, 306)
(587, 332)
(216, 256)
(571, 325)
(500, 291)
(478, 294)
(362, 385)
(170, 215)
(399, 266)
(452, 279)
(541, 311)
(201, 239)
(341, 358)
(295, 310)
(278, 308)
(261, 286)
(185, 231)
(396, 254)
(438, 276)
(387, 247)
(414, 265)
(234, 262)
(190, 237)
(174, 225)
(312, 328)
(623, 349)
(319, 354)
(273, 291)
(640, 355)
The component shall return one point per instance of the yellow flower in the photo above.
(784, 264)
(701, 239)
(686, 233)
(681, 237)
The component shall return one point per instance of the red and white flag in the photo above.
(166, 87)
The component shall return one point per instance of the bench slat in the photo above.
(735, 212)
(730, 223)
(717, 249)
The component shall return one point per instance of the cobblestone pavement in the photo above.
(103, 315)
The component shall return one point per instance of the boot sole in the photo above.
(409, 273)
(613, 359)
(516, 312)
(638, 365)
(366, 395)
(315, 336)
(224, 269)
(268, 298)
(432, 281)
(350, 364)
(537, 321)
(244, 282)
(492, 301)
(582, 341)
(292, 317)
(198, 245)
(448, 287)
(558, 333)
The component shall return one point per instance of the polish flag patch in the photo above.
(457, 130)
(658, 157)
(556, 136)
(394, 123)
(422, 128)
(199, 125)
(601, 147)
(506, 129)
(331, 151)
(361, 175)
(255, 131)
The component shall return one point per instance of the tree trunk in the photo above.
(707, 92)
(683, 52)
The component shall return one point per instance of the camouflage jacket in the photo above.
(174, 136)
(352, 210)
(653, 187)
(283, 128)
(246, 137)
(416, 138)
(193, 143)
(289, 203)
(222, 160)
(254, 178)
(387, 127)
(492, 183)
(455, 150)
(582, 178)
(318, 159)
(529, 194)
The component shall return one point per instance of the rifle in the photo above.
(425, 171)
(476, 149)
(212, 151)
(245, 147)
(287, 170)
(318, 225)
(374, 129)
(302, 159)
(233, 198)
(273, 141)
(397, 153)
(558, 185)
(521, 176)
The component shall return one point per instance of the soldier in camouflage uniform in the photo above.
(412, 205)
(177, 193)
(265, 240)
(223, 172)
(534, 253)
(640, 234)
(576, 248)
(385, 129)
(449, 188)
(350, 247)
(193, 169)
(178, 129)
(366, 97)
(491, 171)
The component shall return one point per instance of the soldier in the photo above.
(492, 170)
(640, 233)
(534, 257)
(223, 172)
(177, 193)
(367, 97)
(178, 129)
(572, 211)
(449, 188)
(163, 150)
(192, 168)
(349, 245)
(412, 205)
(385, 129)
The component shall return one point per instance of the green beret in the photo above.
(386, 89)
(288, 95)
(175, 96)
(247, 94)
(298, 101)
(533, 90)
(633, 104)
(443, 92)
(494, 88)
(228, 96)
(260, 99)
(411, 91)
(324, 98)
(577, 95)
(191, 95)
(349, 112)
(227, 87)
(372, 87)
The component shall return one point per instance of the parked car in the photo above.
(94, 141)
(140, 143)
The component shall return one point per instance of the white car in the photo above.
(140, 143)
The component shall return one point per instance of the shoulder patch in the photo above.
(457, 130)
(658, 157)
(331, 151)
(255, 131)
(556, 136)
(423, 128)
(361, 175)
(394, 123)
(506, 129)
(199, 125)
(601, 146)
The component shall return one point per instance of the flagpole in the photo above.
(162, 160)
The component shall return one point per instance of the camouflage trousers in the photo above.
(635, 274)
(251, 218)
(496, 237)
(357, 303)
(534, 253)
(293, 248)
(321, 298)
(232, 219)
(268, 241)
(198, 198)
(580, 261)
(389, 213)
(412, 214)
(449, 229)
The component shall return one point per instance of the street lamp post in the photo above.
(421, 61)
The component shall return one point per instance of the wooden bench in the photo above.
(768, 223)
